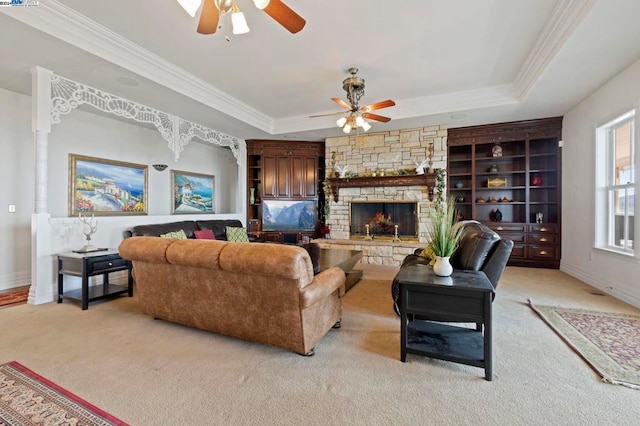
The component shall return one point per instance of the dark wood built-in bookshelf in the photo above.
(523, 184)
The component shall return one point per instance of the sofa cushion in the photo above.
(237, 235)
(204, 234)
(476, 244)
(180, 235)
(219, 227)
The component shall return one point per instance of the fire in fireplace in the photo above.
(382, 217)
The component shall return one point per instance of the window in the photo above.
(616, 184)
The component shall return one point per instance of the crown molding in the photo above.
(64, 23)
(564, 19)
(437, 104)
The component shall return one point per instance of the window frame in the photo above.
(606, 187)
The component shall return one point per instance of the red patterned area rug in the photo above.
(27, 398)
(608, 342)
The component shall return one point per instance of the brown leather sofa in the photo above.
(480, 249)
(263, 293)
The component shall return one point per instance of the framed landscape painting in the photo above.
(192, 192)
(106, 187)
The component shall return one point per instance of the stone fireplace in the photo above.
(384, 153)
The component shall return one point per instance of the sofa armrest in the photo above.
(323, 284)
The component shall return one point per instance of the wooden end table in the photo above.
(427, 301)
(86, 265)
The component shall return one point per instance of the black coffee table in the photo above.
(427, 301)
(345, 260)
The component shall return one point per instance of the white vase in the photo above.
(442, 267)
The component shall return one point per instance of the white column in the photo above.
(42, 260)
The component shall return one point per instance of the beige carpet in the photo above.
(149, 372)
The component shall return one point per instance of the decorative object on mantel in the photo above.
(497, 215)
(252, 195)
(420, 166)
(160, 167)
(428, 179)
(341, 170)
(496, 150)
(444, 236)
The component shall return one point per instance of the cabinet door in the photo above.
(269, 176)
(283, 188)
(297, 177)
(311, 176)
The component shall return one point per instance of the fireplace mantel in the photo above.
(427, 179)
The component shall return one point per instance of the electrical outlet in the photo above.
(12, 208)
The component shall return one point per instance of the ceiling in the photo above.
(459, 63)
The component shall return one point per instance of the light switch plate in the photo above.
(12, 208)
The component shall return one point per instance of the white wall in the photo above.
(611, 273)
(18, 183)
(86, 133)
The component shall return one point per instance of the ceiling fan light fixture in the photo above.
(190, 6)
(238, 21)
(347, 128)
(341, 121)
(359, 121)
(261, 4)
(366, 126)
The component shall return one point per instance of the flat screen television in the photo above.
(284, 215)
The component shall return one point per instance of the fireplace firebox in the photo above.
(382, 217)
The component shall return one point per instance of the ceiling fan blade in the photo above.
(209, 17)
(326, 115)
(342, 103)
(378, 105)
(376, 117)
(285, 16)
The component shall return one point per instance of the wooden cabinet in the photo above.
(283, 170)
(508, 176)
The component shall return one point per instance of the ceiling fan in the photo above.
(212, 9)
(354, 86)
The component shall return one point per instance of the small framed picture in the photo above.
(192, 192)
(106, 187)
(498, 182)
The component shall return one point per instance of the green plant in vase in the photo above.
(444, 237)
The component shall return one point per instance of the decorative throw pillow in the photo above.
(237, 235)
(204, 234)
(180, 235)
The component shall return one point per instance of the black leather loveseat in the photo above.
(480, 249)
(219, 228)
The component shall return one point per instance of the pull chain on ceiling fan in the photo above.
(354, 86)
(212, 9)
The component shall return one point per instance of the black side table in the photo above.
(427, 301)
(86, 265)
